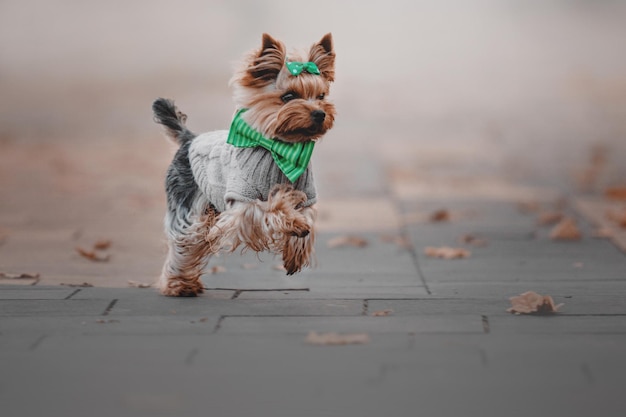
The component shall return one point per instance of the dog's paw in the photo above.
(286, 194)
(176, 288)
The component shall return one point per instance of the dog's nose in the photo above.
(318, 116)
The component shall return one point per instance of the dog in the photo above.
(251, 186)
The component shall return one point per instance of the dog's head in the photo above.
(286, 94)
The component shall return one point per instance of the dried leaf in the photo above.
(446, 252)
(441, 215)
(566, 229)
(549, 217)
(92, 255)
(7, 275)
(382, 313)
(136, 284)
(616, 193)
(102, 244)
(532, 303)
(347, 241)
(332, 338)
(217, 269)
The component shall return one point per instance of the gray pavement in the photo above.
(446, 347)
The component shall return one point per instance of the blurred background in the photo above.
(448, 99)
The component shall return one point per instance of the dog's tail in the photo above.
(167, 114)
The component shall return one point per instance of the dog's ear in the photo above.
(266, 62)
(323, 54)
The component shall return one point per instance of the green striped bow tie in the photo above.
(292, 158)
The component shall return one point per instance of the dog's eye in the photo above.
(287, 97)
(321, 96)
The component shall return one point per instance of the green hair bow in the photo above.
(296, 68)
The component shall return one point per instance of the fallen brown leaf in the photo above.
(102, 244)
(441, 215)
(347, 241)
(217, 269)
(566, 229)
(18, 276)
(446, 252)
(92, 255)
(616, 193)
(382, 313)
(332, 338)
(136, 284)
(532, 303)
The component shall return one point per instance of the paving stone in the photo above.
(57, 308)
(573, 305)
(36, 293)
(507, 289)
(215, 307)
(593, 260)
(26, 334)
(439, 306)
(374, 325)
(558, 324)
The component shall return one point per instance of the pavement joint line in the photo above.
(76, 291)
(485, 321)
(592, 314)
(109, 307)
(405, 235)
(240, 290)
(37, 342)
(218, 324)
(191, 356)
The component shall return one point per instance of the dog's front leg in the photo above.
(263, 225)
(298, 251)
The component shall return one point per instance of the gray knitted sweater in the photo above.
(226, 173)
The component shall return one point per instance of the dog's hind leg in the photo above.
(188, 254)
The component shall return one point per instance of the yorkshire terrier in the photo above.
(252, 185)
